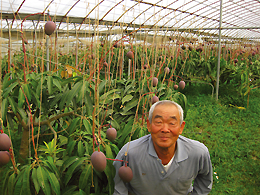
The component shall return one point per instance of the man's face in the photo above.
(165, 127)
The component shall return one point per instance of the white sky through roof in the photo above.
(161, 13)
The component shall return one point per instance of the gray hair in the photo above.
(165, 102)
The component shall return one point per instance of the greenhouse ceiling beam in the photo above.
(77, 20)
(93, 21)
(82, 33)
(216, 28)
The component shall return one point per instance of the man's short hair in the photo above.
(162, 102)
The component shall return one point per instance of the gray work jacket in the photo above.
(191, 163)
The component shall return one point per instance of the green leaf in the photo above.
(54, 182)
(72, 168)
(7, 81)
(86, 173)
(55, 100)
(35, 180)
(71, 146)
(8, 90)
(110, 173)
(68, 162)
(108, 150)
(11, 183)
(36, 99)
(26, 180)
(18, 190)
(127, 89)
(102, 85)
(63, 140)
(81, 192)
(63, 99)
(52, 166)
(89, 104)
(80, 149)
(127, 98)
(27, 91)
(43, 180)
(106, 95)
(73, 125)
(126, 131)
(50, 84)
(57, 83)
(13, 104)
(22, 113)
(21, 98)
(133, 103)
(4, 109)
(114, 148)
(69, 190)
(115, 124)
(87, 126)
(73, 92)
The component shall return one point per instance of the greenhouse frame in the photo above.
(73, 70)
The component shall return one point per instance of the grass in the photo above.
(232, 136)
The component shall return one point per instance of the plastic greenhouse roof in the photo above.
(240, 18)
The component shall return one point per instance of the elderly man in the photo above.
(164, 162)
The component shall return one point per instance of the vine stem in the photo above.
(12, 159)
(31, 120)
(23, 45)
(100, 67)
(117, 160)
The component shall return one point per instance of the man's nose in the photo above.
(165, 128)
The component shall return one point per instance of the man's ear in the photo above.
(182, 127)
(148, 125)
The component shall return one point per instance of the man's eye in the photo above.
(158, 122)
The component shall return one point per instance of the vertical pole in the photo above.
(219, 49)
(57, 57)
(77, 43)
(68, 41)
(129, 67)
(47, 53)
(9, 47)
(35, 39)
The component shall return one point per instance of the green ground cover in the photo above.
(232, 136)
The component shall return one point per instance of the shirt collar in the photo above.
(181, 151)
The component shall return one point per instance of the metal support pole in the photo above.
(77, 43)
(219, 49)
(47, 53)
(36, 49)
(129, 68)
(68, 41)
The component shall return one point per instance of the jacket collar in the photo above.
(181, 153)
